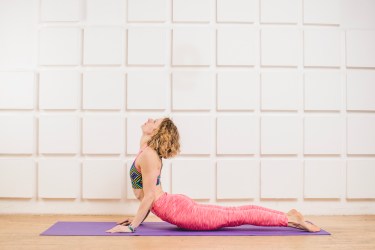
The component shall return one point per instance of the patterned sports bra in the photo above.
(136, 176)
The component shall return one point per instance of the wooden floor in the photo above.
(22, 232)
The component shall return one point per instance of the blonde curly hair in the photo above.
(166, 140)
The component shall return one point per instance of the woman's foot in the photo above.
(296, 220)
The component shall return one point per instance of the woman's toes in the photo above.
(311, 227)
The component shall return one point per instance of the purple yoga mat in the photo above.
(68, 228)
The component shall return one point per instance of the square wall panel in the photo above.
(360, 178)
(103, 134)
(103, 46)
(59, 89)
(17, 134)
(191, 11)
(195, 133)
(184, 173)
(237, 135)
(280, 179)
(360, 90)
(147, 46)
(237, 179)
(280, 90)
(322, 90)
(323, 135)
(191, 46)
(279, 47)
(192, 90)
(60, 46)
(103, 89)
(360, 48)
(147, 90)
(280, 134)
(105, 11)
(17, 90)
(237, 90)
(318, 176)
(166, 176)
(322, 48)
(23, 172)
(59, 178)
(236, 46)
(321, 12)
(57, 10)
(102, 179)
(278, 11)
(236, 11)
(357, 14)
(19, 34)
(360, 134)
(147, 10)
(59, 134)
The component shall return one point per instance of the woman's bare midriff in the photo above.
(159, 192)
(139, 193)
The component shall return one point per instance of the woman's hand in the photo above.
(119, 229)
(125, 222)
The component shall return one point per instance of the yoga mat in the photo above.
(165, 229)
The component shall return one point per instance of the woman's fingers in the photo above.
(114, 229)
(122, 222)
(118, 229)
(126, 223)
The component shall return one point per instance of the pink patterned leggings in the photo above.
(185, 213)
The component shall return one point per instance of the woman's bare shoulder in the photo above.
(148, 154)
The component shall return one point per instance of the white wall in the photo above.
(274, 100)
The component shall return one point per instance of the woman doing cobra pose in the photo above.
(160, 139)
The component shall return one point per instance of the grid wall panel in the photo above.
(274, 101)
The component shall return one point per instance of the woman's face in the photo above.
(151, 125)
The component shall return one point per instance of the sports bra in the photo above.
(136, 176)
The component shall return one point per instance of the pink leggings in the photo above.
(185, 213)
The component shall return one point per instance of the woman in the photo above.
(160, 139)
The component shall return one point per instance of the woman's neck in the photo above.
(144, 140)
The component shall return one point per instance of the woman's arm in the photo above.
(149, 161)
(140, 199)
(128, 221)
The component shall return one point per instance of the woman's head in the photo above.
(165, 139)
